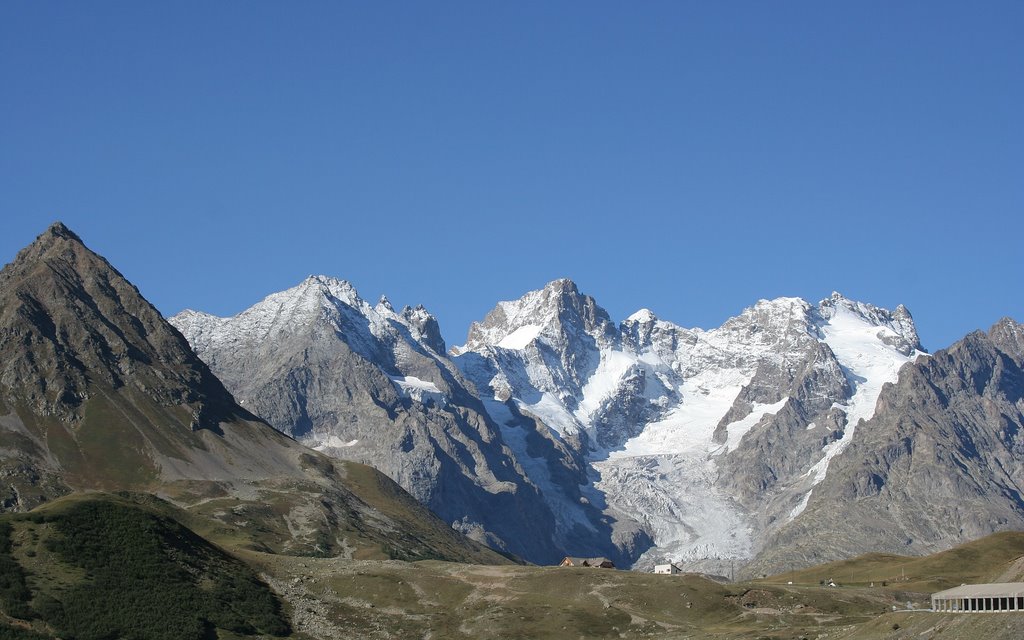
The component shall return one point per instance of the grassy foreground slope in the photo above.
(134, 566)
(976, 561)
(914, 625)
(334, 598)
(362, 514)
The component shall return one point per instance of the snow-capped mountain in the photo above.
(366, 383)
(705, 439)
(554, 431)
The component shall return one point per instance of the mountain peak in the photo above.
(87, 328)
(57, 237)
(424, 327)
(329, 282)
(319, 287)
(1008, 335)
(385, 304)
(562, 285)
(897, 326)
(643, 316)
(59, 230)
(559, 309)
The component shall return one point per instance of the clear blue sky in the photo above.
(689, 157)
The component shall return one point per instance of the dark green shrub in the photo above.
(14, 592)
(148, 577)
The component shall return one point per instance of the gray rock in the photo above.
(938, 464)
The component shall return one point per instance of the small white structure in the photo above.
(669, 569)
(978, 598)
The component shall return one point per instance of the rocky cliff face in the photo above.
(69, 320)
(938, 463)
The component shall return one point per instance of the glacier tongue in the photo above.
(675, 498)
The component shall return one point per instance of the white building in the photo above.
(974, 598)
(667, 569)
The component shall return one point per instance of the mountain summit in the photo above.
(71, 325)
(558, 311)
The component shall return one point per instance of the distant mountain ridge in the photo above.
(643, 440)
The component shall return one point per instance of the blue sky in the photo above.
(688, 157)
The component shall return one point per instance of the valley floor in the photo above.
(336, 598)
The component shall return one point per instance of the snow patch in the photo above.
(418, 390)
(604, 382)
(550, 410)
(738, 429)
(334, 442)
(521, 337)
(798, 509)
(642, 316)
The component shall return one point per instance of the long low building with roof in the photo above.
(972, 598)
(600, 563)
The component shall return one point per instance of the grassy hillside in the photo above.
(363, 516)
(103, 566)
(975, 561)
(334, 598)
(916, 625)
(126, 566)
